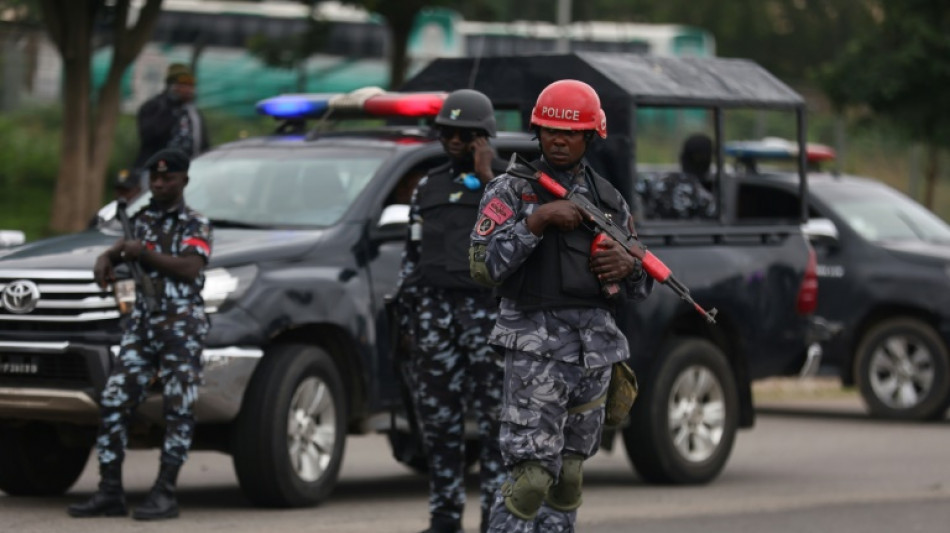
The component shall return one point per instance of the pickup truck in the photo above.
(309, 228)
(883, 273)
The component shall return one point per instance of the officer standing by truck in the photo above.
(555, 323)
(453, 370)
(172, 243)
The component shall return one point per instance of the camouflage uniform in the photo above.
(453, 371)
(555, 359)
(165, 344)
(677, 195)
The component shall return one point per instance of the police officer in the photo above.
(555, 322)
(172, 243)
(685, 194)
(453, 370)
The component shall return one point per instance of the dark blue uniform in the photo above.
(453, 370)
(163, 345)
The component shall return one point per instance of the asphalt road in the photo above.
(810, 466)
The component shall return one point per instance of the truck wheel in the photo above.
(683, 424)
(42, 459)
(903, 370)
(289, 438)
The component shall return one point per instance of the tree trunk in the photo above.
(930, 175)
(399, 61)
(70, 196)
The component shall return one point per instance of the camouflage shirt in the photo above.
(178, 231)
(676, 195)
(584, 336)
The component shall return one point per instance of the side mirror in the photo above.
(393, 223)
(821, 232)
(11, 237)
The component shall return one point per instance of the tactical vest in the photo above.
(449, 211)
(557, 273)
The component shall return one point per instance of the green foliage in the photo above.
(901, 70)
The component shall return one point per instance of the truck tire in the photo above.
(42, 459)
(903, 370)
(683, 424)
(289, 437)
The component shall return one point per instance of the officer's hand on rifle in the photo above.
(561, 213)
(102, 271)
(611, 262)
(483, 156)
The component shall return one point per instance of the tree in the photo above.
(400, 17)
(89, 123)
(901, 71)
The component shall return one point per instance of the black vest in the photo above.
(449, 211)
(557, 273)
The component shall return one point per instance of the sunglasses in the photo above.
(465, 135)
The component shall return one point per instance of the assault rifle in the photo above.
(603, 223)
(141, 279)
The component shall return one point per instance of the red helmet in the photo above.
(569, 105)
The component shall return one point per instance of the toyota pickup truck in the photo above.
(310, 224)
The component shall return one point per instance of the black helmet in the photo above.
(467, 108)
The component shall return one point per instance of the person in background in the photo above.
(686, 194)
(452, 371)
(126, 186)
(170, 119)
(555, 323)
(172, 244)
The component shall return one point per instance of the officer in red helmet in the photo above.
(555, 325)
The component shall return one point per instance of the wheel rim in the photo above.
(697, 413)
(901, 371)
(311, 429)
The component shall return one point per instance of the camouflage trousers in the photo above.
(163, 348)
(536, 426)
(454, 374)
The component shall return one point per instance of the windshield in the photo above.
(265, 188)
(879, 214)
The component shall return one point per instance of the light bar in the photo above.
(365, 102)
(776, 148)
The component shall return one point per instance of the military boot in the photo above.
(160, 502)
(443, 524)
(109, 500)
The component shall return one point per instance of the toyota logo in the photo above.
(21, 296)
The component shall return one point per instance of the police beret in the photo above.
(168, 160)
(126, 180)
(179, 73)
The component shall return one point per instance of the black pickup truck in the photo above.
(884, 273)
(309, 228)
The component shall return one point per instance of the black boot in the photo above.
(160, 502)
(443, 524)
(109, 500)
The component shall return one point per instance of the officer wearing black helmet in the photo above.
(446, 316)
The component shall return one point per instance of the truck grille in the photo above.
(53, 301)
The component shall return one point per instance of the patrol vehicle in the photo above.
(884, 275)
(309, 229)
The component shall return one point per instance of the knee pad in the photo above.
(565, 495)
(526, 490)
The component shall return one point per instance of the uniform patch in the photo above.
(485, 226)
(497, 211)
(455, 197)
(529, 197)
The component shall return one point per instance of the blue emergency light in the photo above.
(290, 106)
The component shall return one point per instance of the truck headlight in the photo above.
(226, 285)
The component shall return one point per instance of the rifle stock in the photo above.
(655, 268)
(141, 279)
